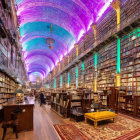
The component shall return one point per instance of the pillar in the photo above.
(83, 69)
(95, 33)
(54, 83)
(54, 70)
(76, 46)
(61, 80)
(68, 79)
(116, 6)
(95, 78)
(68, 59)
(59, 66)
(76, 76)
(118, 76)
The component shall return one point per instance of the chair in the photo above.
(77, 113)
(13, 123)
(97, 106)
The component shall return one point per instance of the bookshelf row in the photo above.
(84, 72)
(73, 100)
(64, 102)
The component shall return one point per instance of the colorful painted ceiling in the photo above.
(64, 21)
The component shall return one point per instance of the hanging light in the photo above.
(50, 41)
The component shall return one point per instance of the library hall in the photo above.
(69, 69)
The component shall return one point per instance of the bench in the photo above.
(100, 116)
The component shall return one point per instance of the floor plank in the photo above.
(44, 119)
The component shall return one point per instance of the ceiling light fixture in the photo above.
(50, 41)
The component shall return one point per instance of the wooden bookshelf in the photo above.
(107, 66)
(80, 75)
(130, 62)
(137, 106)
(72, 73)
(89, 72)
(7, 88)
(104, 99)
(88, 97)
(59, 103)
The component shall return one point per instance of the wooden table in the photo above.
(25, 118)
(99, 116)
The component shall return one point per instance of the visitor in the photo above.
(42, 99)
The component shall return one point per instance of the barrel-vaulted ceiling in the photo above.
(65, 21)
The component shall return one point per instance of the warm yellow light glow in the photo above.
(68, 59)
(77, 51)
(118, 18)
(116, 6)
(95, 33)
(118, 80)
(95, 85)
(59, 67)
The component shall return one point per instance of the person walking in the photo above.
(42, 99)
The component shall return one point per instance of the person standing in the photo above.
(42, 99)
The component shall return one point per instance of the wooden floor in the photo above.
(44, 119)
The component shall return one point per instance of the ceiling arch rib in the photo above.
(61, 19)
(31, 55)
(83, 6)
(35, 66)
(58, 46)
(77, 3)
(29, 37)
(31, 45)
(37, 70)
(61, 47)
(43, 53)
(45, 28)
(30, 5)
(39, 29)
(34, 75)
(39, 66)
(40, 58)
(40, 43)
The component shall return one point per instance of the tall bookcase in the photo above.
(89, 72)
(72, 73)
(106, 66)
(80, 74)
(60, 102)
(130, 62)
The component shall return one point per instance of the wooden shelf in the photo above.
(8, 86)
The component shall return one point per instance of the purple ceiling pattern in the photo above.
(65, 21)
